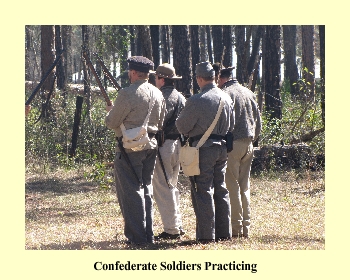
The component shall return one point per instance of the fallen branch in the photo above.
(307, 137)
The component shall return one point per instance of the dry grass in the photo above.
(65, 212)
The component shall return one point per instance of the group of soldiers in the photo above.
(221, 192)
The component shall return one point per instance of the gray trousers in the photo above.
(210, 198)
(168, 198)
(135, 201)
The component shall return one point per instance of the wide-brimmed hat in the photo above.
(166, 71)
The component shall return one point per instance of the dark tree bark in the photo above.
(240, 40)
(255, 48)
(155, 45)
(227, 43)
(273, 72)
(27, 53)
(67, 46)
(182, 58)
(202, 43)
(123, 52)
(291, 68)
(85, 40)
(138, 41)
(165, 44)
(132, 40)
(61, 78)
(144, 37)
(322, 70)
(218, 45)
(209, 45)
(47, 54)
(308, 57)
(194, 30)
(77, 118)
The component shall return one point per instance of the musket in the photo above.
(44, 78)
(107, 73)
(89, 64)
(120, 143)
(125, 155)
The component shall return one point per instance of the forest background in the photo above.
(321, 264)
(69, 111)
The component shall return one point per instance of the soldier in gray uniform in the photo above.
(210, 196)
(135, 192)
(246, 130)
(166, 193)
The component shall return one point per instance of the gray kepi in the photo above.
(205, 70)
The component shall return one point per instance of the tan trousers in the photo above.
(237, 182)
(168, 199)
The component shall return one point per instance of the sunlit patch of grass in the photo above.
(64, 211)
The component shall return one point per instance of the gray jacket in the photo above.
(131, 108)
(200, 111)
(247, 114)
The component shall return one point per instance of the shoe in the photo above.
(165, 235)
(240, 236)
(205, 241)
(222, 239)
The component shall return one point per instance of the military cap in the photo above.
(140, 63)
(205, 70)
(166, 71)
(226, 71)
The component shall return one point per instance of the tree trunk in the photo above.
(255, 48)
(85, 40)
(155, 44)
(273, 72)
(240, 39)
(291, 68)
(123, 53)
(218, 45)
(182, 58)
(27, 53)
(67, 46)
(76, 124)
(308, 57)
(47, 54)
(322, 70)
(132, 40)
(202, 43)
(194, 30)
(209, 46)
(227, 43)
(165, 44)
(144, 36)
(61, 78)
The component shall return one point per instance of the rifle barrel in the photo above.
(103, 91)
(108, 73)
(44, 78)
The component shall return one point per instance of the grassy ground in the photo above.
(66, 212)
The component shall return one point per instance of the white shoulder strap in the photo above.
(211, 127)
(150, 107)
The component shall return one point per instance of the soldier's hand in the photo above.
(108, 108)
(27, 109)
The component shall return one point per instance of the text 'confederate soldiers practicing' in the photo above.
(208, 136)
